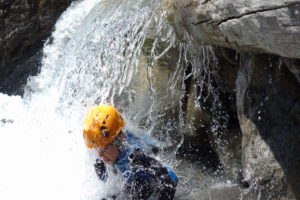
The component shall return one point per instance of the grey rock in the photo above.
(268, 103)
(249, 26)
(266, 88)
(222, 192)
(211, 122)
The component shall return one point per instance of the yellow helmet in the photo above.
(102, 125)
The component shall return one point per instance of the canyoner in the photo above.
(144, 176)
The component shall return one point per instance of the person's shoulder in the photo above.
(134, 141)
(139, 159)
(131, 136)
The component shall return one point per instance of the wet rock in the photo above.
(218, 192)
(211, 114)
(268, 103)
(249, 26)
(4, 121)
(266, 97)
(226, 72)
(199, 151)
(157, 80)
(294, 66)
(24, 27)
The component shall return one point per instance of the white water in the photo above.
(41, 148)
(94, 57)
(41, 151)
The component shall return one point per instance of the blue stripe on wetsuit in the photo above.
(123, 163)
(172, 175)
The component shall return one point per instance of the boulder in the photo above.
(255, 26)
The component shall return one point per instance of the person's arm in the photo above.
(100, 170)
(139, 159)
(138, 189)
(154, 169)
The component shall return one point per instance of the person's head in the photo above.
(103, 124)
(109, 154)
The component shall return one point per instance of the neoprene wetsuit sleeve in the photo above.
(139, 159)
(139, 189)
(100, 170)
(158, 174)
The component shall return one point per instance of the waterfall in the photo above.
(90, 58)
(120, 52)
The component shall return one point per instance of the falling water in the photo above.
(116, 52)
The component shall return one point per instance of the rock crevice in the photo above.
(253, 26)
(255, 12)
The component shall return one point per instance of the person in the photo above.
(144, 176)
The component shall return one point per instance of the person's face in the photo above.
(109, 154)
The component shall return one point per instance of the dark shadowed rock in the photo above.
(24, 27)
(209, 107)
(268, 103)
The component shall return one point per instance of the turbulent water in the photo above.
(115, 52)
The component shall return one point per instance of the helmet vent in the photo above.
(103, 128)
(105, 134)
(106, 116)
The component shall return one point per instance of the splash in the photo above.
(42, 149)
(117, 52)
(41, 153)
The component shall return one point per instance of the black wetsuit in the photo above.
(144, 175)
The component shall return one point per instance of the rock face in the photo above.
(25, 25)
(250, 26)
(259, 67)
(268, 103)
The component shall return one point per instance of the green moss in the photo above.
(170, 18)
(147, 46)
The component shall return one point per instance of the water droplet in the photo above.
(270, 81)
(266, 98)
